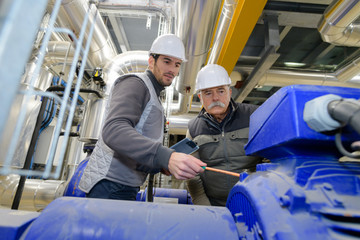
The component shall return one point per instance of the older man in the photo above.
(221, 131)
(130, 145)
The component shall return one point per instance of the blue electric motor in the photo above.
(305, 192)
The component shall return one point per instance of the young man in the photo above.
(221, 131)
(130, 145)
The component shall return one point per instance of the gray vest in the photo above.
(223, 149)
(104, 164)
(224, 152)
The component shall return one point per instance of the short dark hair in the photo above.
(155, 56)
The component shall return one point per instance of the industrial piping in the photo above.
(338, 25)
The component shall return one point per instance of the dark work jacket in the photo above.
(222, 147)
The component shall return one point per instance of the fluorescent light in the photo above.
(294, 64)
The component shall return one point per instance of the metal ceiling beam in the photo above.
(242, 24)
(317, 53)
(260, 69)
(268, 57)
(119, 32)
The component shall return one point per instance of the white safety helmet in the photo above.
(212, 75)
(169, 45)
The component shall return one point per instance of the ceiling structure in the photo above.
(285, 46)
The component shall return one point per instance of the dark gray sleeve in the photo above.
(197, 192)
(129, 98)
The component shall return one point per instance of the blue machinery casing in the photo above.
(82, 218)
(304, 193)
(72, 189)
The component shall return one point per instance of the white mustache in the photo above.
(214, 104)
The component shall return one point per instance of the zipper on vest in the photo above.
(226, 156)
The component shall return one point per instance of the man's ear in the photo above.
(199, 96)
(151, 61)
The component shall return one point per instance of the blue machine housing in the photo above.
(85, 218)
(305, 192)
(181, 196)
(72, 189)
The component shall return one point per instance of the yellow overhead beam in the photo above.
(244, 19)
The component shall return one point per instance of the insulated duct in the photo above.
(337, 25)
(133, 6)
(37, 193)
(225, 20)
(285, 78)
(178, 124)
(58, 52)
(128, 62)
(71, 16)
(196, 21)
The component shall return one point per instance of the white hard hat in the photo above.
(169, 45)
(212, 75)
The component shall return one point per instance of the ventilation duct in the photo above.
(37, 193)
(71, 16)
(337, 25)
(226, 16)
(128, 62)
(284, 78)
(178, 124)
(196, 21)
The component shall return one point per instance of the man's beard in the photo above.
(161, 77)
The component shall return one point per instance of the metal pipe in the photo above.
(196, 21)
(338, 25)
(349, 72)
(178, 124)
(226, 16)
(284, 78)
(128, 62)
(37, 193)
(61, 52)
(71, 16)
(111, 5)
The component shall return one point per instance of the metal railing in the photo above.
(66, 106)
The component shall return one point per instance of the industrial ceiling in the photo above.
(298, 53)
